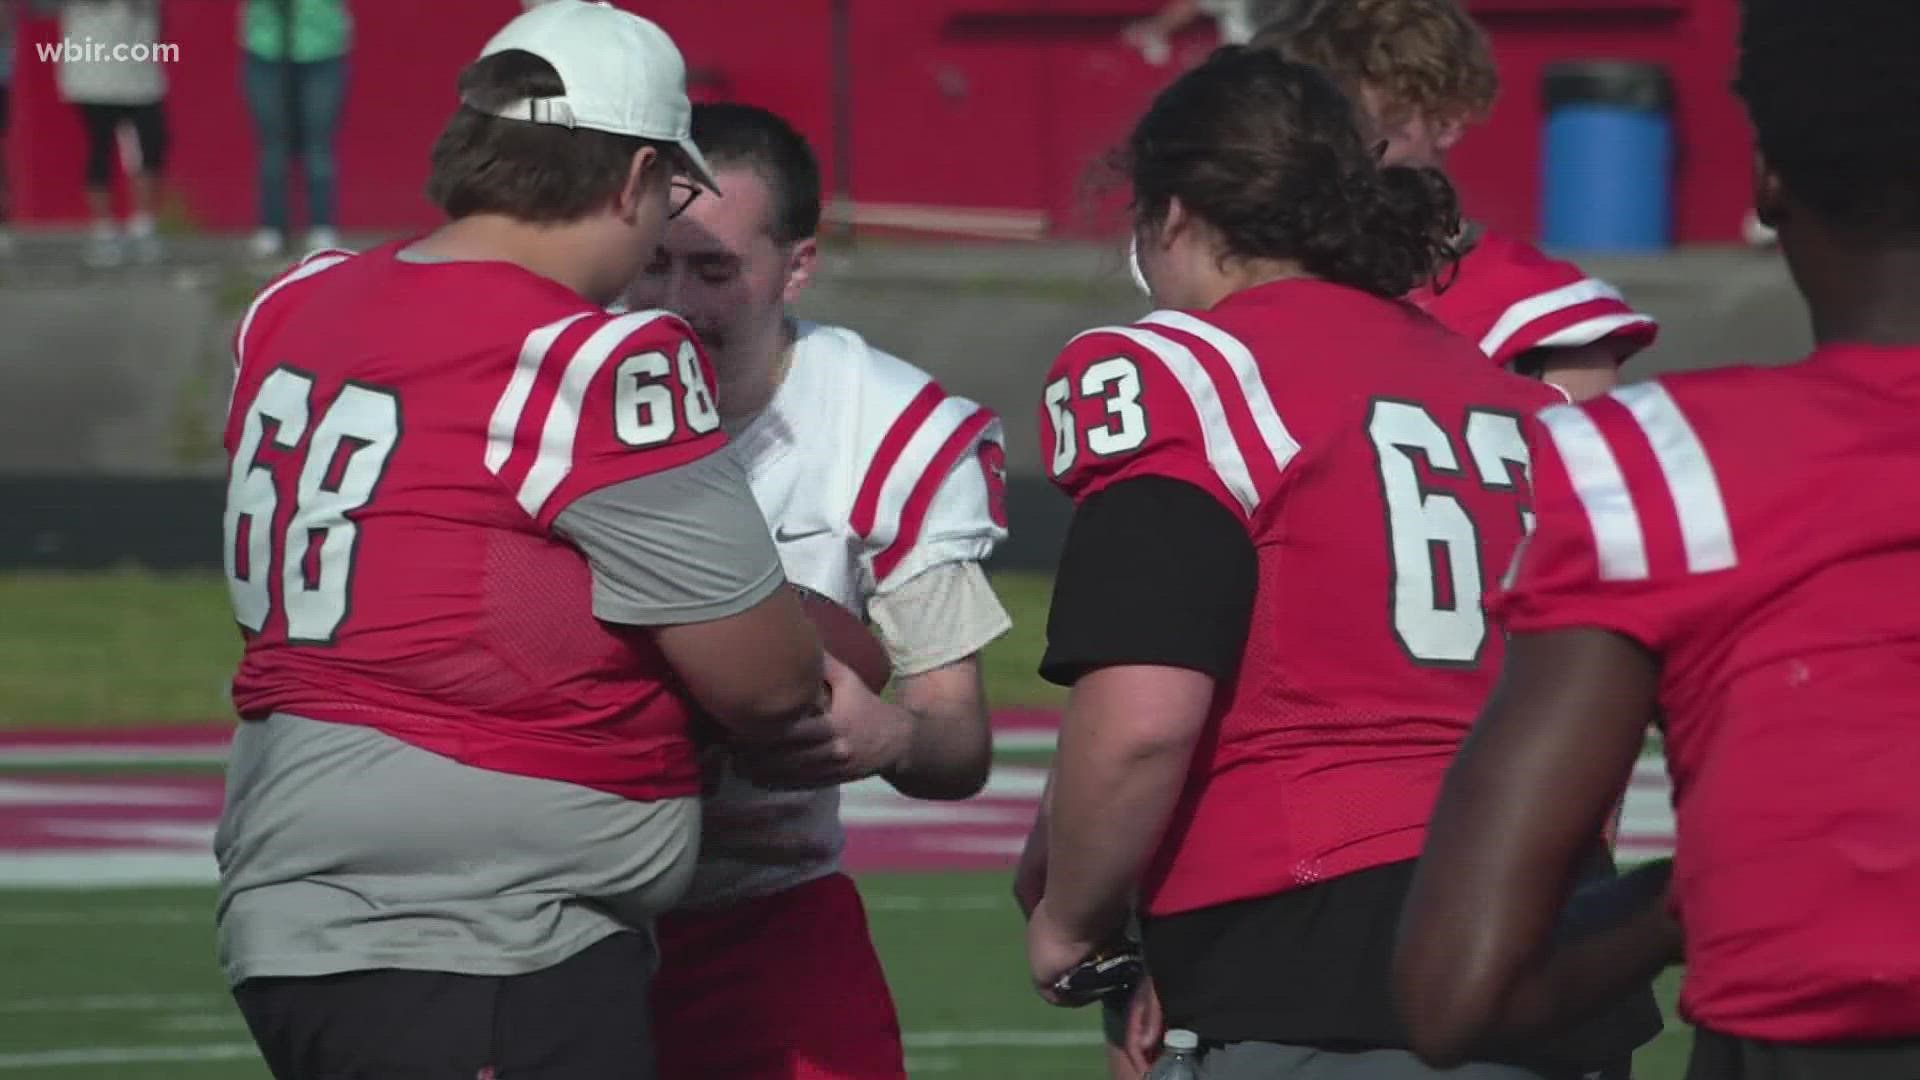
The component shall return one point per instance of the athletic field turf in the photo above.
(104, 973)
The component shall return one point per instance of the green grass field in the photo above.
(121, 983)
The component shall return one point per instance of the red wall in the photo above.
(987, 104)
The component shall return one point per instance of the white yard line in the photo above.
(66, 870)
(126, 754)
(1024, 739)
(128, 1055)
(991, 1040)
(226, 1023)
(53, 792)
(108, 1003)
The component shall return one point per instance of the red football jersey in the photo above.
(1379, 466)
(1757, 528)
(402, 436)
(1508, 298)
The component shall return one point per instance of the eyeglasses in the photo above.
(684, 192)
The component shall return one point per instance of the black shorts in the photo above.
(585, 1018)
(1722, 1057)
(1113, 1018)
(102, 123)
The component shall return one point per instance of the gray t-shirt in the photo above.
(683, 546)
(344, 849)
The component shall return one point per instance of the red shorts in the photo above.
(783, 987)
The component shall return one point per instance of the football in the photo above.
(848, 639)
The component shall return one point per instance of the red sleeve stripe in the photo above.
(866, 505)
(1652, 503)
(504, 424)
(554, 460)
(1235, 456)
(523, 445)
(1619, 541)
(1646, 484)
(1524, 313)
(1236, 374)
(1689, 479)
(914, 516)
(1586, 331)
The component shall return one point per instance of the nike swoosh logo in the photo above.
(787, 536)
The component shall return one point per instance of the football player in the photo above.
(885, 494)
(1246, 749)
(1421, 72)
(488, 553)
(1736, 549)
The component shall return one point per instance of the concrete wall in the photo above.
(123, 377)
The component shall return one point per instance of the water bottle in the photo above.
(1179, 1057)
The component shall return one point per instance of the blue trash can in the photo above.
(1607, 168)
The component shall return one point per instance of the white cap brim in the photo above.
(697, 164)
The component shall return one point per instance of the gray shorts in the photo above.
(344, 849)
(1273, 1061)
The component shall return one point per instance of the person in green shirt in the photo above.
(295, 83)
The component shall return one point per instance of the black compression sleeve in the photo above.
(1155, 571)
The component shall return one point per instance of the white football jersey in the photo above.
(869, 474)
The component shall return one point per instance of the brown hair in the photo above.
(543, 173)
(1424, 57)
(1267, 152)
(732, 135)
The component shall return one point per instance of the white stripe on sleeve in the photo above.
(1620, 542)
(513, 401)
(1704, 528)
(1516, 317)
(915, 458)
(1222, 449)
(1588, 331)
(550, 469)
(1246, 372)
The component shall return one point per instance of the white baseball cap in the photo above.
(622, 74)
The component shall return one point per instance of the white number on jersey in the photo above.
(1115, 382)
(1425, 527)
(643, 398)
(340, 467)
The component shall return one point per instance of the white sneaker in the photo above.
(321, 238)
(104, 248)
(266, 244)
(1756, 233)
(143, 241)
